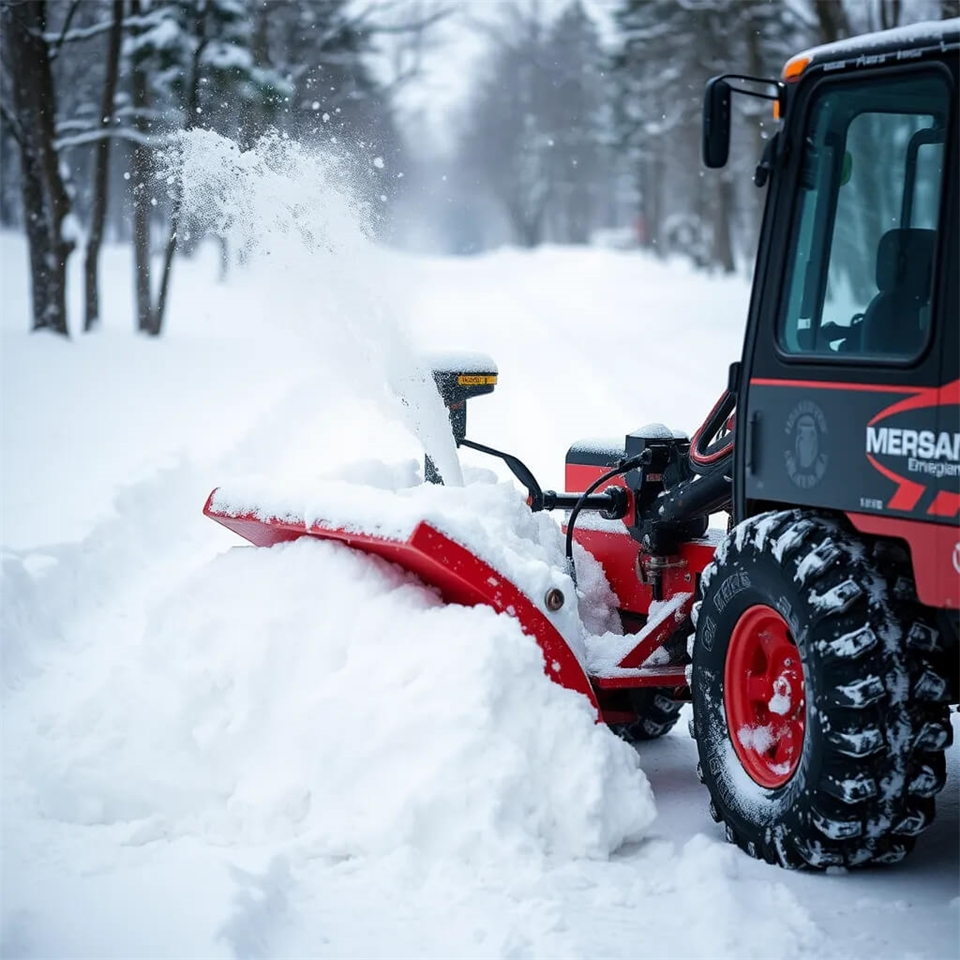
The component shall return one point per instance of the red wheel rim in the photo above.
(764, 696)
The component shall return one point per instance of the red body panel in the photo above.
(579, 476)
(618, 553)
(439, 561)
(934, 549)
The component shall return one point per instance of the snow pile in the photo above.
(308, 692)
(47, 593)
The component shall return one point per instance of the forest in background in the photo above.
(582, 125)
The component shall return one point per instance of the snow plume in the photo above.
(297, 216)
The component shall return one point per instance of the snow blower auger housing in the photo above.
(818, 637)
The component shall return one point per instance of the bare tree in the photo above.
(832, 19)
(98, 211)
(141, 163)
(530, 121)
(201, 33)
(33, 122)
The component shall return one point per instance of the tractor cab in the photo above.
(848, 385)
(826, 646)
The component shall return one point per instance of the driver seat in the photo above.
(894, 321)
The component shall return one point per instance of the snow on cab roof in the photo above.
(914, 37)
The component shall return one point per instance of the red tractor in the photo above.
(818, 639)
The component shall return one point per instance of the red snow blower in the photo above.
(817, 639)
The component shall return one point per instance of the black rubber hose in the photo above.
(705, 456)
(623, 467)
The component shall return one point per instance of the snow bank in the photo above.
(299, 751)
(309, 692)
(303, 701)
(49, 595)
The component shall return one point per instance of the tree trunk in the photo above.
(653, 186)
(98, 211)
(224, 259)
(832, 19)
(193, 112)
(141, 202)
(45, 199)
(889, 14)
(49, 307)
(10, 185)
(530, 228)
(141, 222)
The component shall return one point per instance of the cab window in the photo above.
(860, 272)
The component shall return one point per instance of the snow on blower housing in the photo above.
(818, 638)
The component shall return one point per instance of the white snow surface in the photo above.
(220, 752)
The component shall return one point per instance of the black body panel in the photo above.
(805, 422)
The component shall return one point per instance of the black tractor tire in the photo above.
(657, 714)
(841, 765)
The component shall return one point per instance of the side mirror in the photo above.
(716, 123)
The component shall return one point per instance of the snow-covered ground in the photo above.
(210, 751)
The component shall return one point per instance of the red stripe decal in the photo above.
(822, 385)
(908, 493)
(945, 504)
(930, 397)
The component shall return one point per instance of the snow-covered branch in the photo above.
(95, 30)
(417, 25)
(88, 122)
(121, 133)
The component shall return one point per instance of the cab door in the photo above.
(854, 325)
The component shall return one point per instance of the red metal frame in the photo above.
(619, 555)
(658, 629)
(441, 562)
(463, 578)
(934, 549)
(664, 675)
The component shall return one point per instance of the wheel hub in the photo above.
(764, 696)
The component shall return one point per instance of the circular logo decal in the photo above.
(956, 558)
(806, 458)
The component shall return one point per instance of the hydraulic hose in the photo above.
(705, 456)
(622, 467)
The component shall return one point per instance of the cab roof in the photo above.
(874, 49)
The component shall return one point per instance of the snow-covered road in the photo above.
(298, 752)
